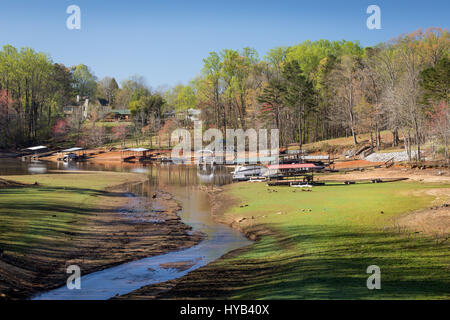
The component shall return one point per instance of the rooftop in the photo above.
(121, 111)
(137, 149)
(37, 148)
(72, 149)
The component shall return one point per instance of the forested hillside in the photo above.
(311, 91)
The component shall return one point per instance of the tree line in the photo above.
(311, 91)
(34, 92)
(324, 89)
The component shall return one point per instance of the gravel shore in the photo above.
(383, 157)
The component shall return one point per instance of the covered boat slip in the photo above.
(72, 154)
(320, 160)
(133, 154)
(38, 149)
(34, 153)
(37, 152)
(288, 170)
(287, 174)
(291, 158)
(143, 155)
(275, 171)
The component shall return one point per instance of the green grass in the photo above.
(38, 217)
(108, 124)
(86, 180)
(324, 253)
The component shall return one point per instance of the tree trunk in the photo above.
(417, 134)
(378, 138)
(395, 138)
(300, 135)
(418, 151)
(355, 141)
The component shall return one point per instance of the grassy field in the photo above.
(108, 125)
(319, 244)
(36, 217)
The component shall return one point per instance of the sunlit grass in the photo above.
(324, 240)
(38, 216)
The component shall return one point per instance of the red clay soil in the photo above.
(94, 155)
(355, 164)
(101, 155)
(107, 156)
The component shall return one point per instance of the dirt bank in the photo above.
(10, 184)
(433, 221)
(348, 164)
(121, 229)
(428, 175)
(203, 283)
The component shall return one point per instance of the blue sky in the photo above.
(165, 41)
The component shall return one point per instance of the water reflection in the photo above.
(37, 168)
(164, 174)
(62, 165)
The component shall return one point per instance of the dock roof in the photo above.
(137, 149)
(37, 148)
(72, 149)
(121, 111)
(315, 157)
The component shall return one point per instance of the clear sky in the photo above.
(165, 41)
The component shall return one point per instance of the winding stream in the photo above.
(181, 182)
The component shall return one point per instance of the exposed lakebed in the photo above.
(180, 181)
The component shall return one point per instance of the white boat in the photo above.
(243, 173)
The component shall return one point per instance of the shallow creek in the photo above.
(181, 182)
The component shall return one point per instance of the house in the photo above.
(78, 108)
(191, 114)
(118, 115)
(85, 109)
(169, 114)
(194, 114)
